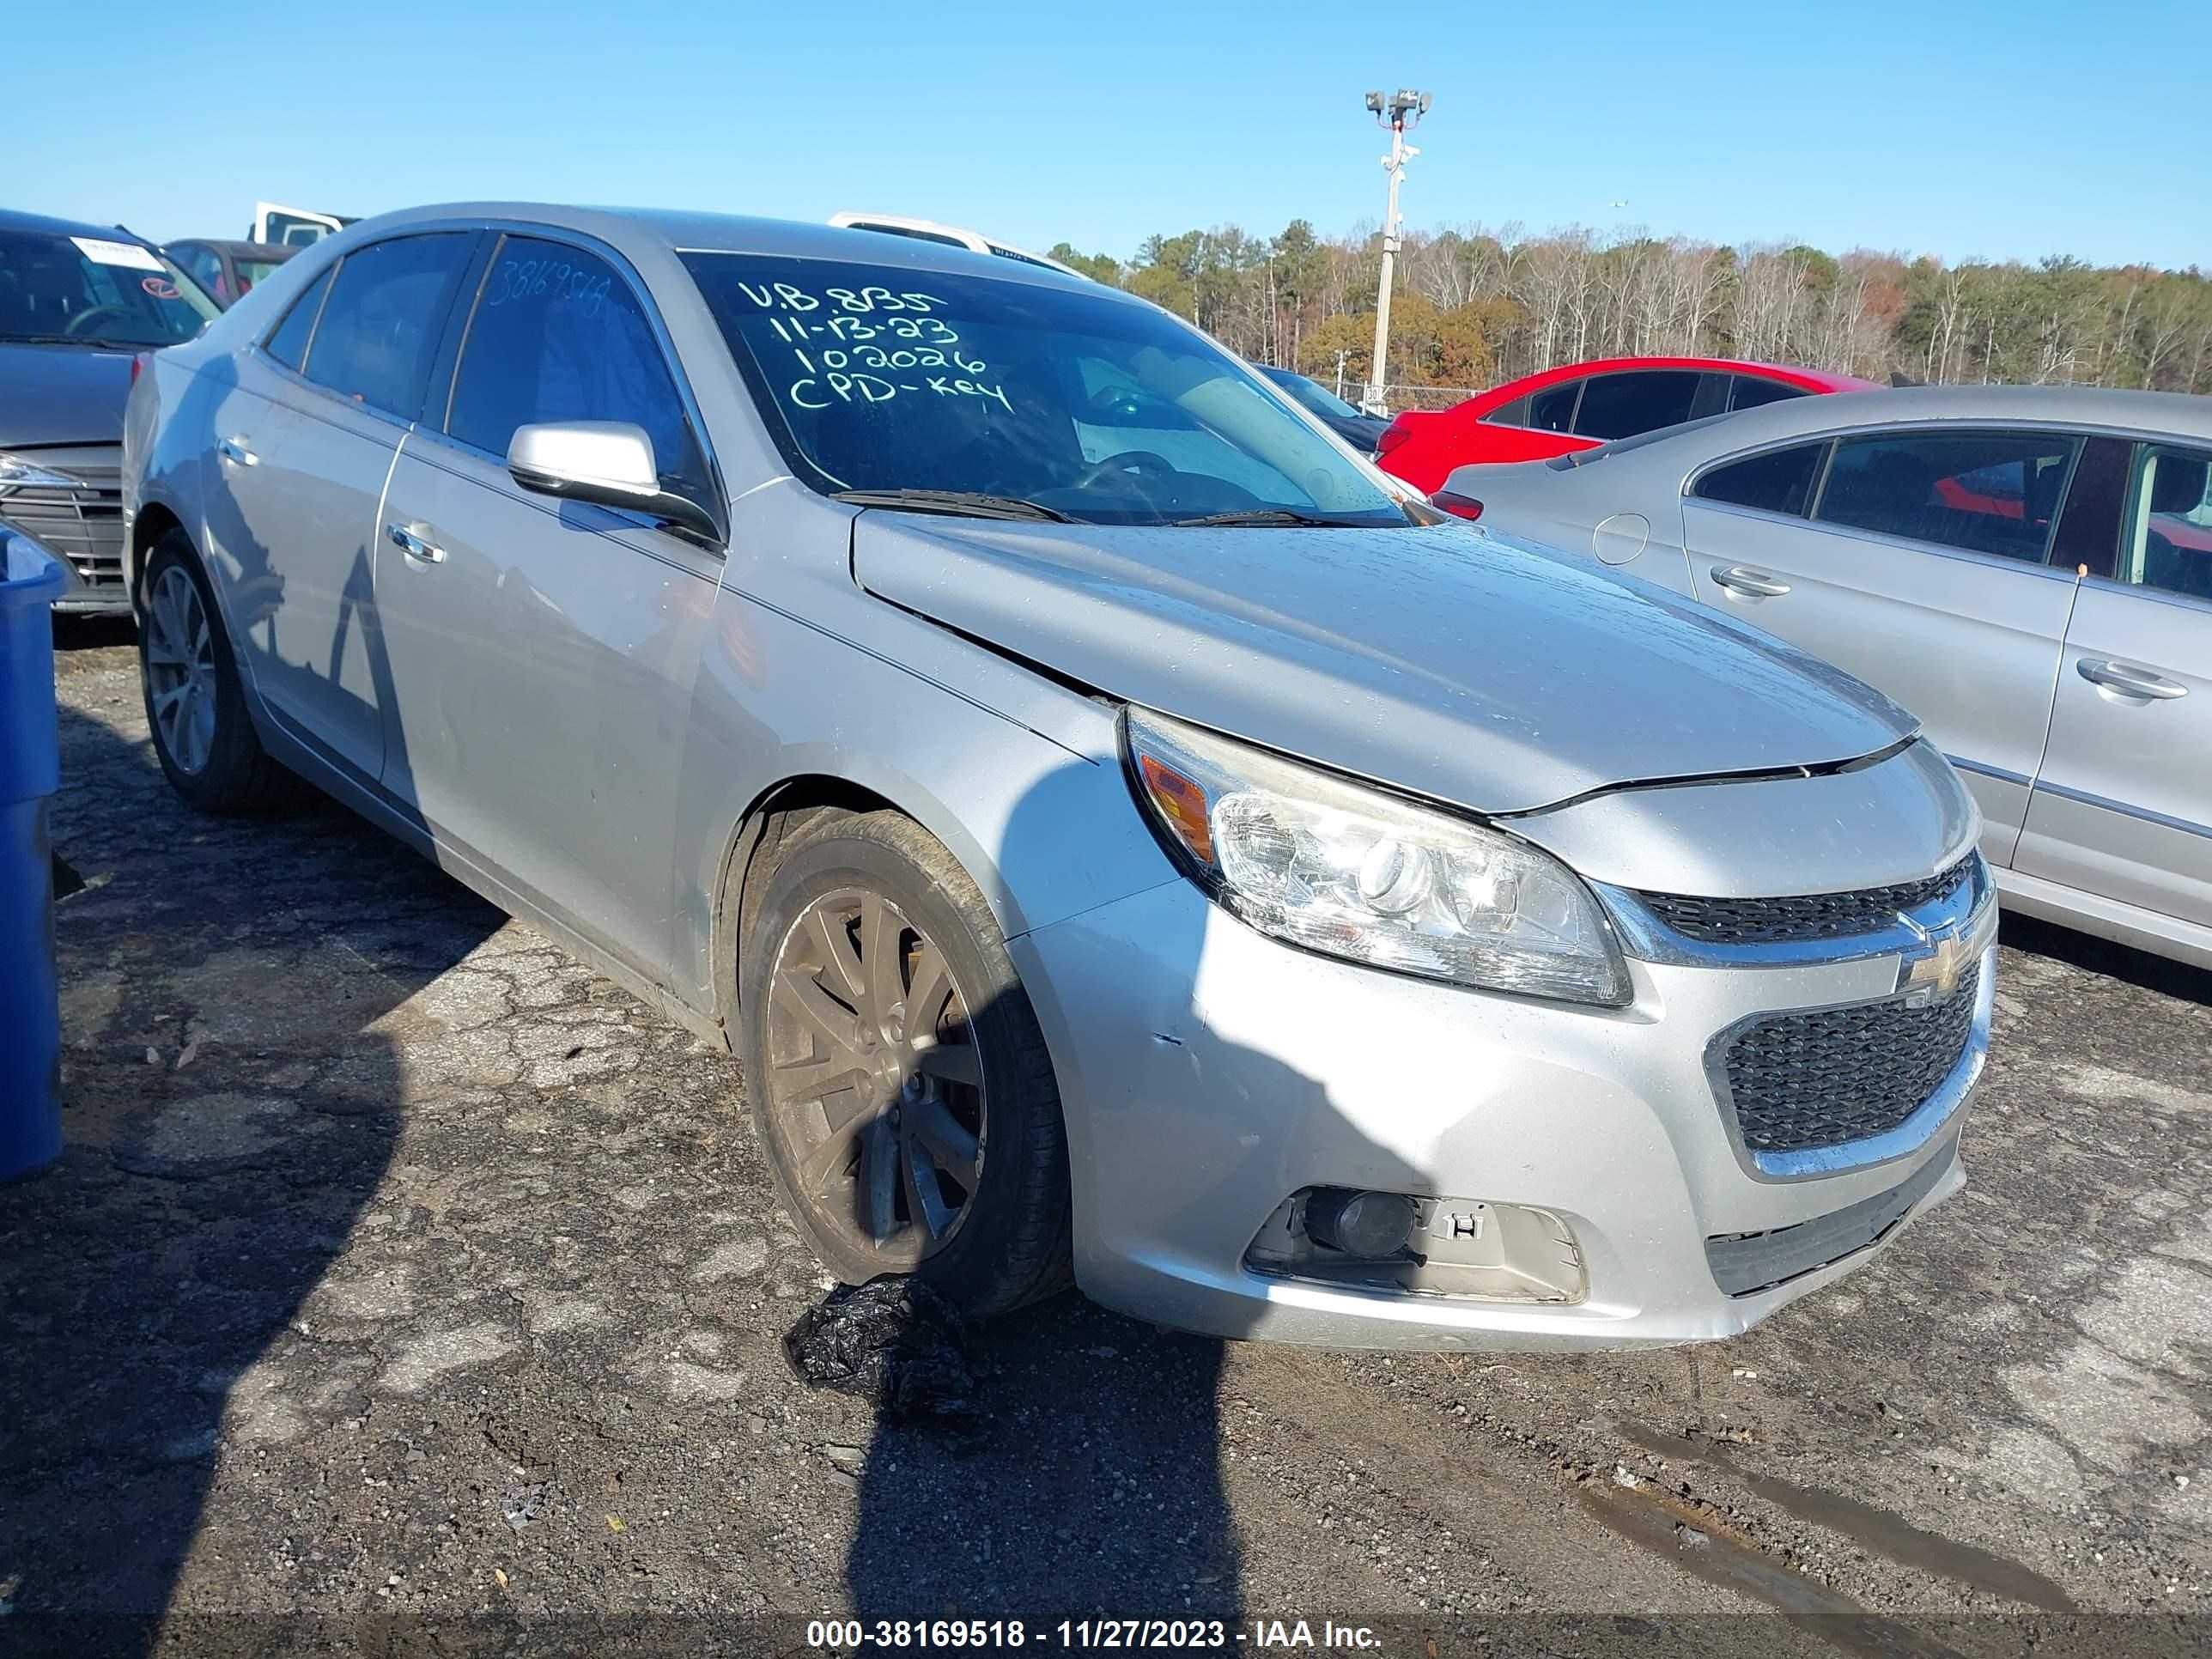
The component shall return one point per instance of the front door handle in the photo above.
(235, 450)
(1748, 583)
(415, 546)
(2128, 681)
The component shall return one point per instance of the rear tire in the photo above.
(195, 705)
(898, 1075)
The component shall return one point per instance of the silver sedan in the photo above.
(1124, 838)
(2028, 568)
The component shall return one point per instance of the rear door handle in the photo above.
(415, 546)
(2129, 681)
(1750, 584)
(234, 449)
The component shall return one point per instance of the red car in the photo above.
(1583, 404)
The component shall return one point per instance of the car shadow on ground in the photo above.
(230, 1078)
(2167, 977)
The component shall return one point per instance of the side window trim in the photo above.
(496, 236)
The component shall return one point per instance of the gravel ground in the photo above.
(402, 1274)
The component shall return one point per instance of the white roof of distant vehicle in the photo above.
(953, 235)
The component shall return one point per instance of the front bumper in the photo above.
(1208, 1072)
(82, 526)
(102, 595)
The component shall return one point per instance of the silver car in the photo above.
(1122, 841)
(2028, 568)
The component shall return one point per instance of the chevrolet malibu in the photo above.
(1122, 842)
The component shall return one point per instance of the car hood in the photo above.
(62, 394)
(1446, 661)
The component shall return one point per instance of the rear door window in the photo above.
(1513, 414)
(381, 325)
(288, 344)
(1751, 391)
(1780, 481)
(1552, 409)
(559, 335)
(1990, 492)
(1640, 400)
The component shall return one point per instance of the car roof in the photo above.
(2149, 412)
(723, 233)
(238, 249)
(10, 219)
(1826, 380)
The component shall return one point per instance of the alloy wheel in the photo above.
(874, 1084)
(180, 670)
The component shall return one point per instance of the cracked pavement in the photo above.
(398, 1264)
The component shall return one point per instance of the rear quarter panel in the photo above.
(1455, 439)
(162, 453)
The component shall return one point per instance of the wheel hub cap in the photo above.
(177, 657)
(874, 1088)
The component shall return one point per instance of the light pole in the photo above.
(1398, 111)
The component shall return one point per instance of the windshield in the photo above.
(1097, 408)
(88, 290)
(1312, 393)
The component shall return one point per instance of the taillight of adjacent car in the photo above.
(1459, 506)
(138, 362)
(1392, 435)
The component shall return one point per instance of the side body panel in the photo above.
(294, 480)
(541, 674)
(1969, 644)
(803, 675)
(2124, 806)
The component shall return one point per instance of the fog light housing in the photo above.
(1404, 1244)
(1371, 1224)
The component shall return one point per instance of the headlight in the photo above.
(16, 473)
(1357, 873)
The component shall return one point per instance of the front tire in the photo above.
(195, 705)
(898, 1075)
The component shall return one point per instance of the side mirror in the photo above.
(606, 462)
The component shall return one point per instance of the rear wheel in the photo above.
(897, 1072)
(202, 735)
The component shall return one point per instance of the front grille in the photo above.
(1836, 1075)
(1809, 916)
(1744, 1264)
(84, 528)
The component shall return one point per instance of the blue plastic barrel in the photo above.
(30, 772)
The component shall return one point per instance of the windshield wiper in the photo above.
(85, 340)
(1268, 515)
(967, 503)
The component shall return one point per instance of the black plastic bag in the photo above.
(893, 1342)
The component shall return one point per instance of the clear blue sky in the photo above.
(1956, 127)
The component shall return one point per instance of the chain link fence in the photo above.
(1402, 396)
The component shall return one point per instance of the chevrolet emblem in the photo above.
(1932, 972)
